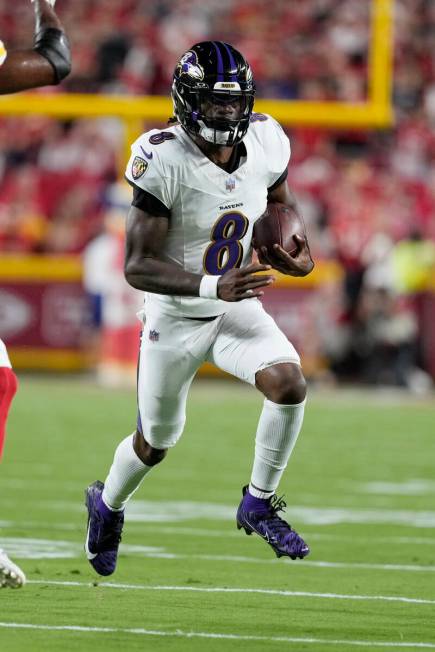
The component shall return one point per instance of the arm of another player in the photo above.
(47, 63)
(145, 270)
(301, 263)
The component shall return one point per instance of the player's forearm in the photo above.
(152, 275)
(23, 70)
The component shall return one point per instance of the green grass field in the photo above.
(360, 487)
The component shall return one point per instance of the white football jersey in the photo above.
(212, 211)
(4, 359)
(3, 53)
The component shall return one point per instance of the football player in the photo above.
(48, 62)
(198, 188)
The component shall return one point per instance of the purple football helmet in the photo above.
(213, 92)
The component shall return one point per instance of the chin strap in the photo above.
(216, 136)
(213, 135)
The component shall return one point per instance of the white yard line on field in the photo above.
(178, 633)
(318, 536)
(52, 549)
(224, 589)
(412, 487)
(147, 511)
(142, 511)
(176, 511)
(220, 534)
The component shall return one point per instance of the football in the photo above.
(278, 224)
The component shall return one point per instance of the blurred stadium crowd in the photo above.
(368, 197)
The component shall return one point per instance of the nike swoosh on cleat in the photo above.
(148, 156)
(263, 536)
(90, 555)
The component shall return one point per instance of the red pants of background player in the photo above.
(8, 387)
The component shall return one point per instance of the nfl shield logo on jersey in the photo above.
(139, 167)
(230, 184)
(153, 336)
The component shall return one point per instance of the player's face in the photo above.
(223, 106)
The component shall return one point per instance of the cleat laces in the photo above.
(281, 532)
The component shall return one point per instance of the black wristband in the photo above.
(53, 45)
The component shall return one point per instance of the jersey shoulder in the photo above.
(270, 137)
(165, 147)
(155, 157)
(268, 132)
(3, 52)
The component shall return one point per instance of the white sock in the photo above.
(125, 475)
(277, 432)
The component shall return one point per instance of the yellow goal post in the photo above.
(375, 112)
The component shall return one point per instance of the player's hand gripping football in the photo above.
(299, 263)
(238, 284)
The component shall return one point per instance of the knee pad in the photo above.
(161, 420)
(161, 435)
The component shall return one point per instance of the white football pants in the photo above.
(241, 342)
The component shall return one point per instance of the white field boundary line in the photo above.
(216, 589)
(221, 534)
(143, 511)
(178, 633)
(48, 549)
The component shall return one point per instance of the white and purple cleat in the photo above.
(103, 535)
(261, 517)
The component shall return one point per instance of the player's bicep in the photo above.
(145, 236)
